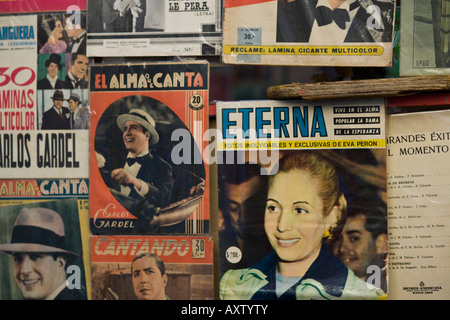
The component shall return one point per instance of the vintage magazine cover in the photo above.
(44, 156)
(126, 267)
(34, 228)
(39, 56)
(169, 100)
(424, 43)
(308, 32)
(418, 202)
(274, 158)
(15, 192)
(154, 28)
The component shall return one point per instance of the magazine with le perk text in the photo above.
(154, 28)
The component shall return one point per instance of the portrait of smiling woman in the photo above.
(304, 207)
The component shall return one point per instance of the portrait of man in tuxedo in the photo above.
(140, 163)
(76, 78)
(144, 175)
(76, 34)
(334, 22)
(57, 117)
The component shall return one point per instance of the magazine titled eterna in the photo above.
(299, 181)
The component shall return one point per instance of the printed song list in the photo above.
(418, 196)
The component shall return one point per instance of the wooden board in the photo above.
(386, 87)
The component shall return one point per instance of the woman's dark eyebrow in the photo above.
(296, 202)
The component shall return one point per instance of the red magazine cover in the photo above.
(181, 267)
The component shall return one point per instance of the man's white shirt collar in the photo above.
(52, 80)
(143, 153)
(75, 113)
(59, 111)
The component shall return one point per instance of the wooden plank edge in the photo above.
(385, 87)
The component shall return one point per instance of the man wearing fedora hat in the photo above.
(79, 116)
(51, 81)
(144, 175)
(40, 256)
(57, 117)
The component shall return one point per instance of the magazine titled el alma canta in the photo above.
(147, 173)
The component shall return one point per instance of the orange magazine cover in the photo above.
(181, 267)
(146, 167)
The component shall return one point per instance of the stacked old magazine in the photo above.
(130, 170)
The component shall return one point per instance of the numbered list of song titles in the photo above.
(418, 199)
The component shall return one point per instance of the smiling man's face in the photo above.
(38, 274)
(358, 249)
(134, 138)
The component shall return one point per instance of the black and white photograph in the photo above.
(424, 44)
(154, 27)
(334, 21)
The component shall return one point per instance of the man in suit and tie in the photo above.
(76, 77)
(123, 15)
(145, 176)
(57, 117)
(76, 34)
(334, 22)
(51, 81)
(79, 116)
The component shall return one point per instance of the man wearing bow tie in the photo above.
(334, 22)
(76, 34)
(144, 176)
(77, 74)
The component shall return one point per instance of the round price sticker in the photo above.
(233, 254)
